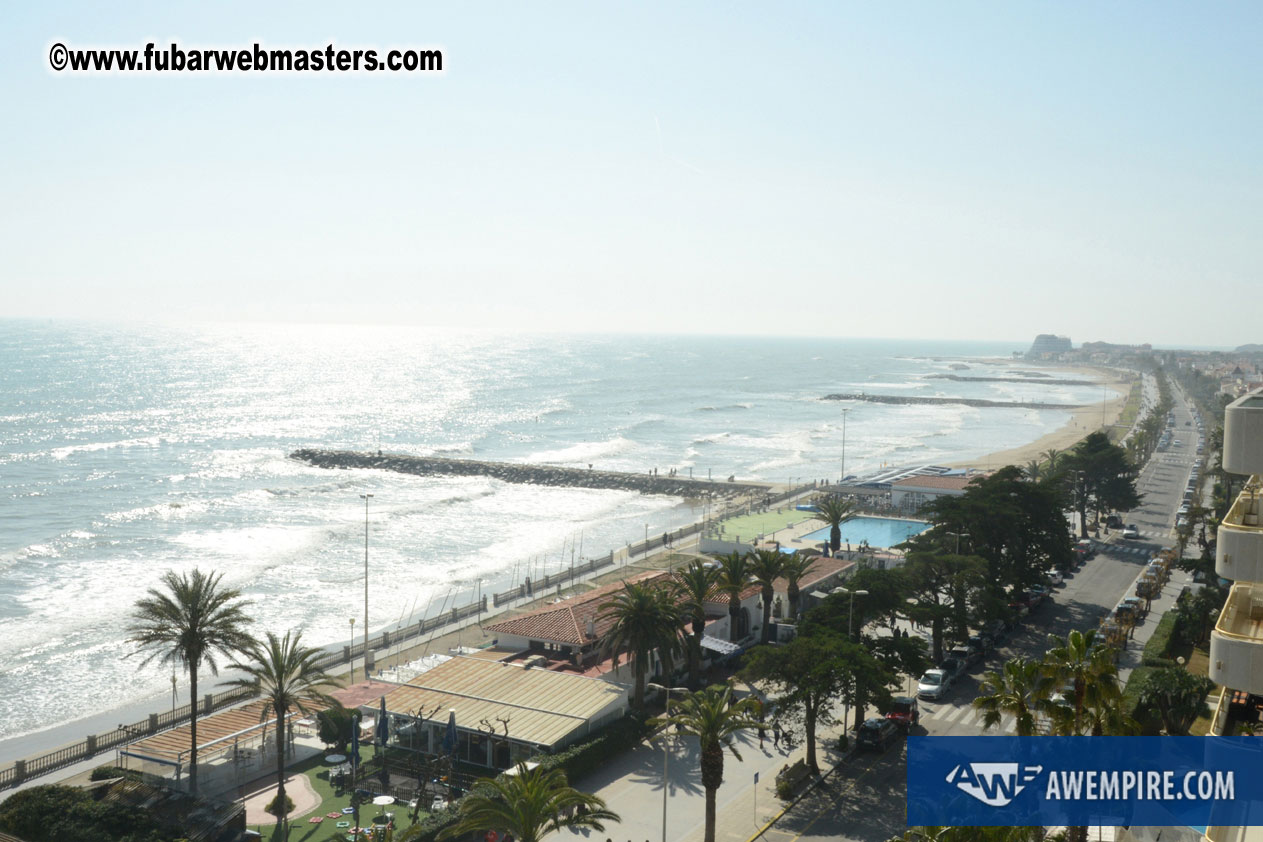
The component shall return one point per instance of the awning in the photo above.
(723, 647)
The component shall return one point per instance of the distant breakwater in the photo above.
(908, 399)
(645, 483)
(1041, 381)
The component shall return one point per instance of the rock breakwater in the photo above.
(909, 399)
(528, 474)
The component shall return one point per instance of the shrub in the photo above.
(844, 742)
(586, 757)
(272, 806)
(1159, 645)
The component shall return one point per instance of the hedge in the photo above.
(1159, 645)
(1150, 725)
(586, 757)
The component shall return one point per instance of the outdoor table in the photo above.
(335, 758)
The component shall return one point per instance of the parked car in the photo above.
(1113, 522)
(934, 684)
(1085, 549)
(876, 733)
(966, 655)
(954, 667)
(903, 712)
(1054, 576)
(1039, 593)
(982, 641)
(1130, 531)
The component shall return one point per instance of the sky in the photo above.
(931, 170)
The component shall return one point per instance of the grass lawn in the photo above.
(761, 523)
(317, 772)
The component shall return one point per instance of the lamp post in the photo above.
(666, 757)
(843, 477)
(850, 633)
(958, 536)
(173, 699)
(366, 497)
(352, 647)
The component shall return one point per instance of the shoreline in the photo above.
(1082, 421)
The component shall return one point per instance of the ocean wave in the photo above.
(583, 452)
(726, 408)
(713, 438)
(70, 450)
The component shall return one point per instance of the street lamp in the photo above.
(850, 633)
(352, 654)
(173, 699)
(665, 755)
(366, 497)
(958, 536)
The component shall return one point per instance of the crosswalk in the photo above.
(965, 715)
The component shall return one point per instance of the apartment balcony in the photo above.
(1243, 435)
(1236, 644)
(1239, 548)
(1220, 833)
(1219, 724)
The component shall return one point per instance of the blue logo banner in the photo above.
(1085, 781)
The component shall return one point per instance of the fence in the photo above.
(94, 744)
(531, 588)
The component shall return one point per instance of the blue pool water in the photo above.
(877, 531)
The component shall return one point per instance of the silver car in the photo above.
(934, 684)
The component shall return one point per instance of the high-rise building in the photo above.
(1236, 644)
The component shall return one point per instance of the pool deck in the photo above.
(785, 528)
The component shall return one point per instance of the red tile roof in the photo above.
(566, 622)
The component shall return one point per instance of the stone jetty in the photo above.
(1042, 381)
(555, 475)
(910, 399)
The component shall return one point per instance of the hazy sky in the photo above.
(953, 170)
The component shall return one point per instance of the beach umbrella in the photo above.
(449, 738)
(382, 724)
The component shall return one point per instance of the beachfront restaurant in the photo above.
(496, 714)
(235, 746)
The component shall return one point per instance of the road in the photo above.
(864, 800)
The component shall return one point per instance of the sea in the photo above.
(130, 449)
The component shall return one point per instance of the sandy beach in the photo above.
(1082, 421)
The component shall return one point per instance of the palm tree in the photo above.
(796, 566)
(734, 577)
(1177, 695)
(186, 626)
(1078, 662)
(766, 567)
(1053, 455)
(286, 674)
(712, 717)
(1033, 470)
(693, 586)
(833, 510)
(644, 618)
(1020, 689)
(530, 804)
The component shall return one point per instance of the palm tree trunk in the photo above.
(193, 730)
(281, 813)
(766, 631)
(638, 695)
(710, 814)
(835, 538)
(734, 610)
(695, 652)
(792, 593)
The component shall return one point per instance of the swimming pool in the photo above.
(877, 531)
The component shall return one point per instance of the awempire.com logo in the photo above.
(1085, 780)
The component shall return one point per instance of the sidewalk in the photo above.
(632, 787)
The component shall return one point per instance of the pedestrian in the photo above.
(776, 734)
